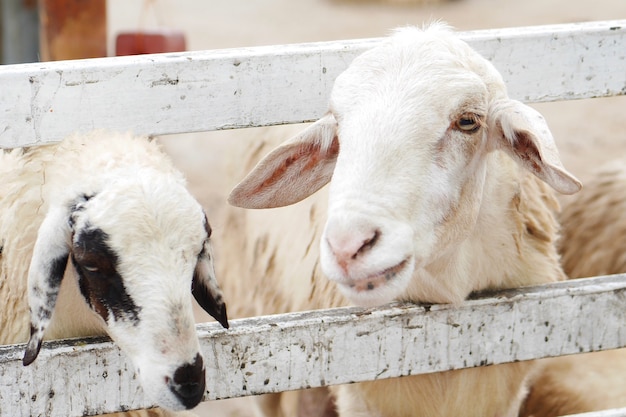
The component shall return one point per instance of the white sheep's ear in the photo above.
(204, 287)
(523, 133)
(293, 171)
(46, 271)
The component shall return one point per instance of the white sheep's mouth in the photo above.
(377, 280)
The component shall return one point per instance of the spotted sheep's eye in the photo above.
(90, 268)
(469, 122)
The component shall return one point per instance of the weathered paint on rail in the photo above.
(326, 347)
(220, 89)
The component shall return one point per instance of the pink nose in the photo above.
(348, 245)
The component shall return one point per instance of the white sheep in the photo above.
(593, 227)
(138, 246)
(440, 187)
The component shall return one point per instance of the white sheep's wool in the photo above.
(439, 184)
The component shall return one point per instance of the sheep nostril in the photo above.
(189, 390)
(346, 246)
(369, 243)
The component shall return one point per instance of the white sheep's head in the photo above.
(409, 125)
(138, 248)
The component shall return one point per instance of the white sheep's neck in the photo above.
(513, 243)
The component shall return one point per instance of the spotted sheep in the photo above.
(100, 236)
(439, 185)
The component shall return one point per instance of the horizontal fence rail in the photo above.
(230, 88)
(311, 349)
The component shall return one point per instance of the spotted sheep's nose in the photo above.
(189, 382)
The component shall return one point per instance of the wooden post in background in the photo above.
(72, 29)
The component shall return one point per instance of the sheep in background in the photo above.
(594, 220)
(440, 187)
(138, 245)
(593, 229)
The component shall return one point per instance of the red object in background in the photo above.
(153, 42)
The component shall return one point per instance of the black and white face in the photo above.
(137, 261)
(96, 265)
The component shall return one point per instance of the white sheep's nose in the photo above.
(347, 242)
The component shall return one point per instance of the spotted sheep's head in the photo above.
(138, 248)
(410, 127)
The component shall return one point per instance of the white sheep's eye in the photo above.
(469, 123)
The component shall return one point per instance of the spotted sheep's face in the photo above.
(138, 252)
(405, 141)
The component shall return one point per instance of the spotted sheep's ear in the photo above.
(46, 271)
(523, 134)
(204, 287)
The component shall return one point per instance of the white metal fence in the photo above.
(200, 91)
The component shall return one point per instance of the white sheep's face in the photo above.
(405, 141)
(411, 141)
(137, 250)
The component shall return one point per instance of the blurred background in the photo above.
(88, 28)
(588, 132)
